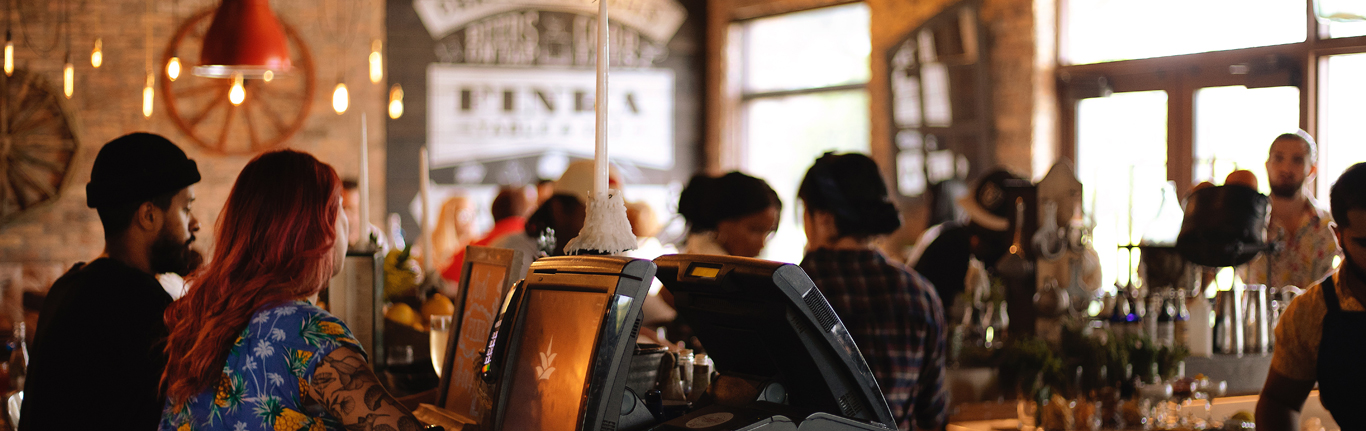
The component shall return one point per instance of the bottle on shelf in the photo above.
(1180, 320)
(1165, 333)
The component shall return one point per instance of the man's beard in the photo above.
(169, 255)
(1286, 190)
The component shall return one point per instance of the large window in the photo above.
(1208, 84)
(803, 76)
(1109, 30)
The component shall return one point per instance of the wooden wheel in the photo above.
(37, 143)
(270, 113)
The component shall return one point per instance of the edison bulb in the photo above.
(395, 101)
(376, 62)
(9, 55)
(68, 79)
(340, 99)
(237, 94)
(97, 54)
(268, 76)
(147, 94)
(173, 68)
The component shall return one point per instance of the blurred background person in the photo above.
(944, 251)
(893, 314)
(454, 229)
(561, 217)
(734, 214)
(351, 204)
(510, 209)
(247, 345)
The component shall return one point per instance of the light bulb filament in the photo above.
(340, 99)
(173, 68)
(237, 94)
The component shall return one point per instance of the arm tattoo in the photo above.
(357, 398)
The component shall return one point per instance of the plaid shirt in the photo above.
(897, 320)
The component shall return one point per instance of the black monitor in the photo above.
(563, 347)
(768, 328)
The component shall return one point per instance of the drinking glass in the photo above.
(440, 333)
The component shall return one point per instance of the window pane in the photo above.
(817, 48)
(1342, 142)
(1109, 30)
(1234, 127)
(1122, 160)
(1344, 17)
(785, 135)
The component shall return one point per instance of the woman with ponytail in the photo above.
(734, 214)
(893, 314)
(248, 349)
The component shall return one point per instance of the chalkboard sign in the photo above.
(487, 274)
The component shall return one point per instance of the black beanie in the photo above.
(138, 166)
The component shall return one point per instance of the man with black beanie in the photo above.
(97, 355)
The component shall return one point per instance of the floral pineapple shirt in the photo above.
(267, 375)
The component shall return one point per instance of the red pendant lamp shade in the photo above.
(244, 38)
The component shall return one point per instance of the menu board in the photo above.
(488, 272)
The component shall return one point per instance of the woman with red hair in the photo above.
(248, 348)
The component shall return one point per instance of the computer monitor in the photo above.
(564, 344)
(766, 325)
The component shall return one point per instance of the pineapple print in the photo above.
(267, 409)
(304, 389)
(184, 427)
(315, 331)
(237, 344)
(229, 392)
(297, 361)
(290, 420)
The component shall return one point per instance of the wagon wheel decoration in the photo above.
(270, 113)
(37, 143)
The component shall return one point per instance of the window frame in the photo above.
(1299, 64)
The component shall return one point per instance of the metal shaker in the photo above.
(1257, 315)
(1228, 323)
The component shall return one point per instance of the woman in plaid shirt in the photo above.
(892, 313)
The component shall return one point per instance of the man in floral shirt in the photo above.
(1298, 224)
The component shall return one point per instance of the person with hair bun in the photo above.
(734, 214)
(248, 348)
(892, 313)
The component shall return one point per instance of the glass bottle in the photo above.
(1180, 320)
(1166, 321)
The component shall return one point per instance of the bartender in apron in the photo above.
(1322, 335)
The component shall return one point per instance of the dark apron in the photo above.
(1342, 362)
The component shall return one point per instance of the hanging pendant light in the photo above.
(237, 94)
(245, 38)
(395, 101)
(68, 77)
(268, 76)
(173, 68)
(9, 53)
(376, 61)
(340, 98)
(97, 54)
(147, 94)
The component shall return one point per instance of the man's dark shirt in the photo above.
(97, 355)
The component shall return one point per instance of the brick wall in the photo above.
(39, 245)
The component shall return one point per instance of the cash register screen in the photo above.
(551, 365)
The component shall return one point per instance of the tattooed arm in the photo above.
(345, 384)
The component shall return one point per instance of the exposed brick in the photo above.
(108, 103)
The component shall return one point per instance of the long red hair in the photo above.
(273, 244)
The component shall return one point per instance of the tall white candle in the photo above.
(600, 158)
(363, 184)
(426, 221)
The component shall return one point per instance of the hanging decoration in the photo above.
(97, 54)
(147, 92)
(237, 94)
(245, 38)
(268, 115)
(341, 99)
(173, 65)
(376, 61)
(395, 101)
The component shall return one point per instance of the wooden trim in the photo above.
(768, 8)
(784, 93)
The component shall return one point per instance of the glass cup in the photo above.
(440, 333)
